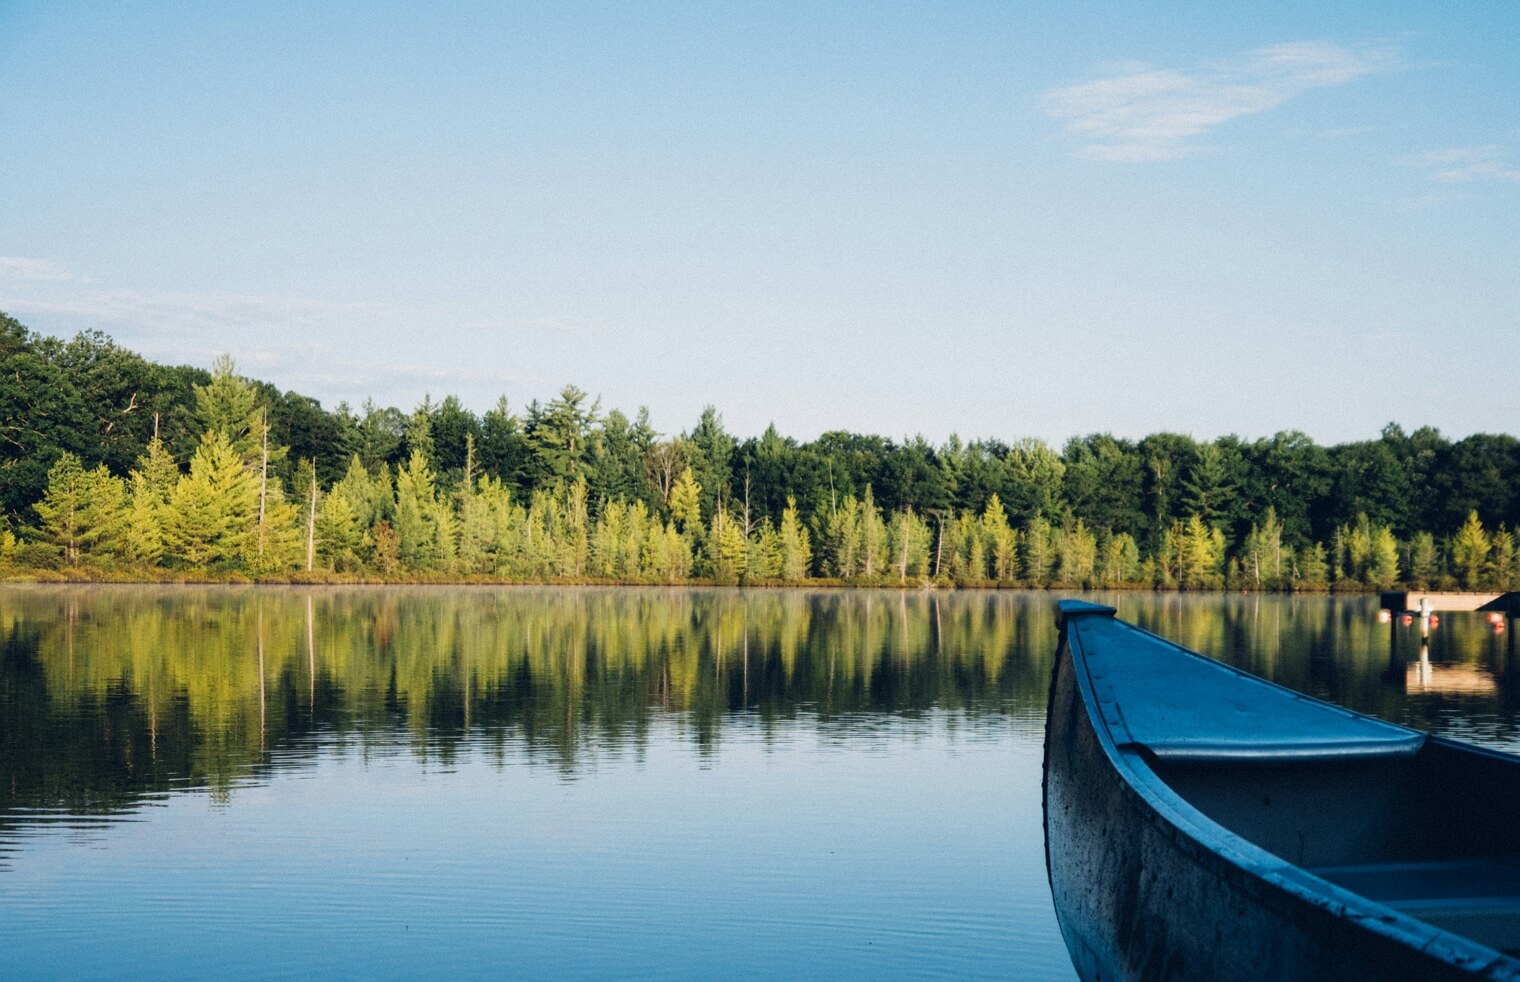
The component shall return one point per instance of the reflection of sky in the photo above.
(915, 852)
(892, 837)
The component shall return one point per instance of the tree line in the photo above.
(112, 465)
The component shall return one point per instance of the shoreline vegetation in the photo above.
(117, 469)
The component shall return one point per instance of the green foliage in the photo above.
(1040, 556)
(685, 503)
(1424, 560)
(1078, 563)
(1383, 564)
(212, 513)
(1119, 563)
(1264, 557)
(1503, 561)
(796, 553)
(559, 434)
(570, 492)
(83, 512)
(1469, 551)
(229, 406)
(909, 539)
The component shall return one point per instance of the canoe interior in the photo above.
(1431, 834)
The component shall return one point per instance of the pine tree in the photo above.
(873, 536)
(83, 512)
(635, 533)
(144, 540)
(1313, 566)
(909, 539)
(417, 514)
(1503, 560)
(1204, 549)
(1002, 540)
(1120, 563)
(729, 549)
(229, 405)
(763, 557)
(685, 503)
(211, 515)
(340, 537)
(1262, 553)
(1469, 551)
(1039, 556)
(607, 541)
(1424, 560)
(796, 551)
(1383, 564)
(1079, 556)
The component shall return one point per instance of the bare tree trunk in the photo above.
(748, 528)
(311, 522)
(263, 478)
(907, 530)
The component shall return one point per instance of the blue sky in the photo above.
(992, 219)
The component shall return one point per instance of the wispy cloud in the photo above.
(1459, 165)
(1145, 113)
(331, 349)
(167, 313)
(30, 270)
(174, 315)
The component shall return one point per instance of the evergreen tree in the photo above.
(796, 551)
(1383, 566)
(873, 537)
(143, 542)
(909, 538)
(1120, 562)
(712, 458)
(1503, 563)
(1262, 559)
(229, 405)
(1203, 549)
(340, 537)
(558, 436)
(1424, 560)
(763, 558)
(1079, 556)
(1039, 553)
(1035, 476)
(1001, 539)
(1469, 551)
(684, 504)
(728, 550)
(416, 522)
(83, 511)
(211, 516)
(1313, 566)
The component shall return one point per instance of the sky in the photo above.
(991, 219)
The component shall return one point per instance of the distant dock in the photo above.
(1424, 605)
(1427, 602)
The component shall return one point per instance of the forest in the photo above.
(115, 467)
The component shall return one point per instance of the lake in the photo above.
(586, 782)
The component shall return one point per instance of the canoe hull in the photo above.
(1145, 890)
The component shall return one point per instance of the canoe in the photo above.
(1203, 823)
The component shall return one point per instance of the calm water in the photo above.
(583, 783)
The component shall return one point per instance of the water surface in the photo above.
(580, 783)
